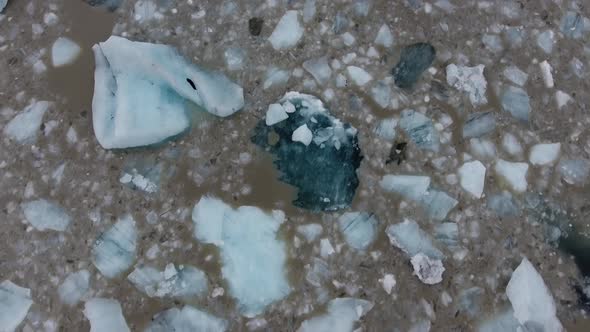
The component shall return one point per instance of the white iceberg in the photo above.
(64, 51)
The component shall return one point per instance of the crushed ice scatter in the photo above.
(15, 302)
(531, 300)
(479, 124)
(513, 173)
(302, 135)
(287, 32)
(359, 228)
(544, 154)
(319, 69)
(429, 270)
(64, 52)
(310, 231)
(472, 177)
(45, 215)
(275, 114)
(420, 129)
(114, 250)
(358, 75)
(186, 319)
(182, 281)
(142, 90)
(517, 102)
(105, 315)
(341, 315)
(384, 36)
(74, 287)
(414, 60)
(470, 80)
(24, 127)
(411, 239)
(253, 258)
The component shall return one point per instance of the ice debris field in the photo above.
(294, 165)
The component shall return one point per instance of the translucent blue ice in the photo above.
(45, 215)
(15, 302)
(143, 93)
(438, 204)
(411, 239)
(414, 60)
(187, 319)
(341, 315)
(359, 228)
(182, 281)
(420, 129)
(74, 287)
(252, 256)
(114, 250)
(503, 205)
(572, 25)
(105, 315)
(479, 124)
(517, 102)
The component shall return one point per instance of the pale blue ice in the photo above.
(114, 250)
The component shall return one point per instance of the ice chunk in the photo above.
(572, 25)
(287, 32)
(384, 36)
(544, 154)
(15, 302)
(326, 248)
(574, 171)
(74, 287)
(513, 173)
(410, 186)
(114, 250)
(309, 10)
(359, 228)
(310, 231)
(3, 4)
(362, 7)
(253, 257)
(546, 40)
(64, 51)
(111, 5)
(319, 69)
(503, 205)
(303, 135)
(562, 99)
(531, 300)
(420, 130)
(515, 75)
(411, 239)
(517, 102)
(358, 75)
(186, 319)
(479, 124)
(182, 281)
(341, 315)
(143, 93)
(472, 177)
(546, 72)
(105, 315)
(24, 127)
(381, 93)
(492, 42)
(414, 60)
(142, 174)
(470, 80)
(447, 233)
(470, 301)
(429, 270)
(511, 145)
(44, 215)
(275, 114)
(482, 148)
(388, 282)
(437, 204)
(504, 322)
(234, 58)
(275, 77)
(386, 129)
(334, 146)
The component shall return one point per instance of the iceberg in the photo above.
(24, 127)
(253, 258)
(420, 129)
(324, 170)
(531, 300)
(503, 205)
(515, 75)
(182, 281)
(572, 25)
(143, 93)
(45, 215)
(15, 302)
(359, 228)
(437, 204)
(187, 319)
(114, 250)
(105, 315)
(546, 40)
(74, 287)
(341, 315)
(414, 60)
(64, 51)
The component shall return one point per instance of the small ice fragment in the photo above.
(308, 10)
(447, 233)
(437, 204)
(388, 282)
(381, 93)
(504, 322)
(64, 51)
(503, 205)
(546, 40)
(414, 60)
(234, 58)
(341, 315)
(420, 129)
(326, 248)
(410, 186)
(359, 228)
(111, 5)
(562, 99)
(429, 270)
(15, 302)
(45, 215)
(287, 32)
(274, 77)
(469, 301)
(386, 129)
(186, 319)
(50, 19)
(310, 231)
(114, 250)
(183, 281)
(482, 148)
(421, 326)
(472, 177)
(470, 80)
(544, 154)
(348, 39)
(546, 72)
(479, 124)
(74, 287)
(517, 102)
(275, 114)
(531, 300)
(572, 25)
(358, 75)
(515, 75)
(105, 315)
(511, 145)
(574, 171)
(384, 36)
(411, 239)
(492, 42)
(24, 127)
(362, 7)
(303, 135)
(513, 173)
(319, 69)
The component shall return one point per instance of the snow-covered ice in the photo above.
(24, 127)
(74, 287)
(114, 250)
(341, 315)
(470, 80)
(105, 315)
(45, 215)
(287, 32)
(186, 319)
(15, 302)
(544, 154)
(429, 270)
(64, 51)
(182, 281)
(513, 173)
(388, 282)
(472, 177)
